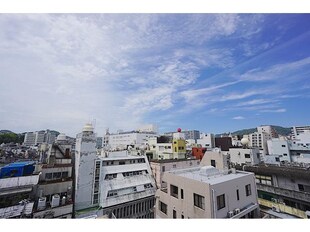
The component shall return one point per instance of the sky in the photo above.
(210, 72)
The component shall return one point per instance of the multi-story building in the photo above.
(116, 184)
(206, 192)
(160, 166)
(188, 134)
(206, 140)
(269, 130)
(224, 143)
(54, 194)
(29, 139)
(39, 137)
(282, 189)
(259, 140)
(121, 140)
(296, 131)
(85, 155)
(242, 156)
(18, 184)
(126, 186)
(215, 158)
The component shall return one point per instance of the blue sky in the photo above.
(211, 72)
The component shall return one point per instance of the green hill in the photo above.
(279, 129)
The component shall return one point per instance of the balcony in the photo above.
(18, 184)
(302, 196)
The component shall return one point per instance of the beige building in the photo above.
(215, 158)
(206, 192)
(159, 167)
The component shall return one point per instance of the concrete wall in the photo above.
(237, 155)
(219, 158)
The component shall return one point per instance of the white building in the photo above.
(280, 148)
(259, 140)
(85, 155)
(215, 158)
(206, 140)
(206, 192)
(39, 137)
(243, 156)
(299, 130)
(126, 185)
(269, 130)
(121, 140)
(29, 139)
(148, 128)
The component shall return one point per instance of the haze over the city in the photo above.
(211, 72)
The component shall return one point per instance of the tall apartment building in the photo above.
(298, 130)
(206, 192)
(39, 137)
(259, 140)
(188, 134)
(269, 130)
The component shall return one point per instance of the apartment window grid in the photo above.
(248, 190)
(199, 201)
(260, 179)
(220, 202)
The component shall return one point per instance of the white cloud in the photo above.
(238, 118)
(274, 111)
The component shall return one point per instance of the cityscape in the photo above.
(154, 116)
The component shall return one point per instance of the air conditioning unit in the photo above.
(276, 209)
(230, 214)
(236, 211)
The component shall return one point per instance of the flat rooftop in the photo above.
(172, 160)
(209, 174)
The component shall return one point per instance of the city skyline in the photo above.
(212, 72)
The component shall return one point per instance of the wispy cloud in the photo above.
(238, 118)
(274, 111)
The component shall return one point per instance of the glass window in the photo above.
(199, 201)
(163, 207)
(248, 190)
(221, 202)
(174, 191)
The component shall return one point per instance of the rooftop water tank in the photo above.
(63, 200)
(55, 201)
(42, 203)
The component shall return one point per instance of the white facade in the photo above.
(39, 137)
(268, 130)
(29, 139)
(259, 140)
(279, 147)
(121, 140)
(85, 156)
(244, 156)
(216, 159)
(206, 140)
(207, 192)
(148, 128)
(125, 180)
(299, 130)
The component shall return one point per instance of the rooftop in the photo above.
(209, 174)
(172, 160)
(20, 164)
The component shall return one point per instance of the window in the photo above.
(182, 216)
(174, 191)
(182, 194)
(248, 190)
(175, 149)
(174, 214)
(199, 201)
(267, 180)
(163, 207)
(301, 187)
(121, 162)
(213, 163)
(64, 174)
(221, 202)
(163, 168)
(247, 155)
(283, 146)
(284, 154)
(49, 176)
(56, 175)
(237, 194)
(277, 159)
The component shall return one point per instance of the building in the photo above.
(121, 140)
(86, 196)
(168, 147)
(18, 184)
(282, 189)
(215, 158)
(198, 152)
(99, 142)
(224, 143)
(54, 194)
(268, 130)
(206, 192)
(116, 184)
(296, 131)
(259, 140)
(160, 166)
(126, 185)
(39, 137)
(242, 156)
(206, 140)
(188, 134)
(29, 139)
